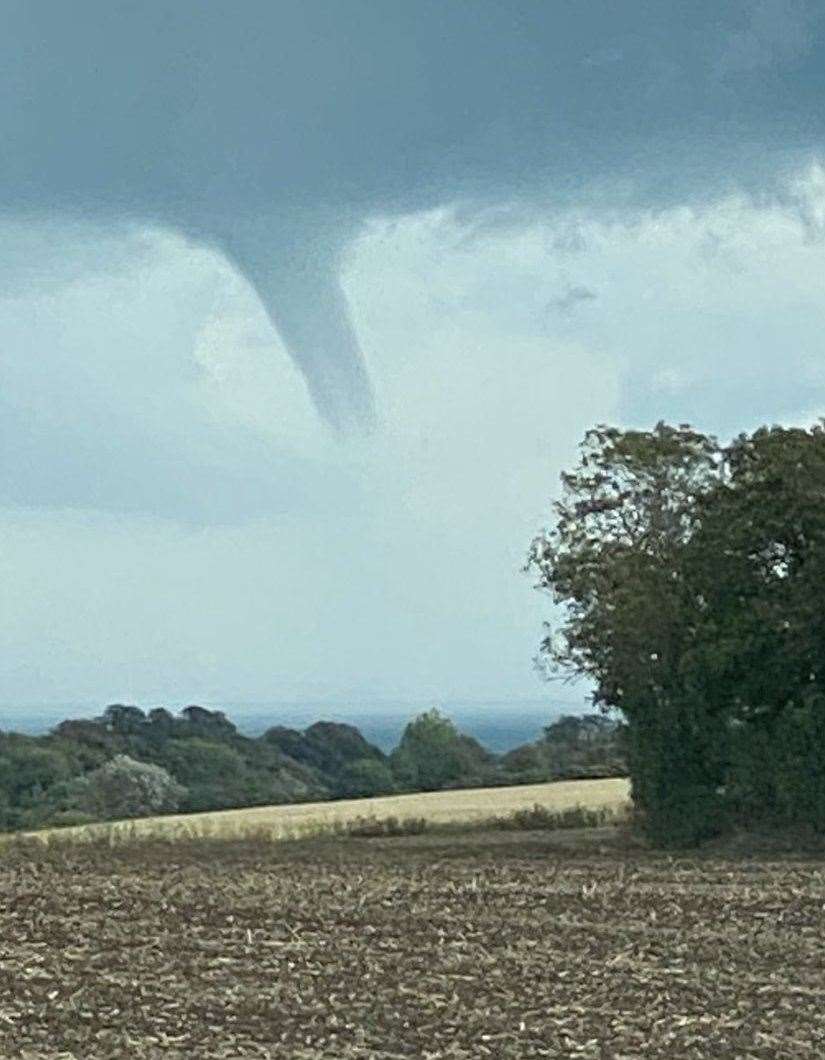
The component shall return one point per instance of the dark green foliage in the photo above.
(692, 577)
(51, 779)
(799, 758)
(671, 780)
(293, 743)
(573, 747)
(214, 773)
(123, 720)
(337, 746)
(94, 738)
(276, 778)
(206, 723)
(750, 783)
(590, 744)
(433, 754)
(33, 773)
(47, 779)
(161, 725)
(27, 769)
(365, 777)
(476, 763)
(529, 759)
(351, 765)
(615, 558)
(777, 767)
(71, 818)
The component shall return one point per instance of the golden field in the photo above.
(467, 806)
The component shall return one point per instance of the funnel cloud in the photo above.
(305, 305)
(274, 130)
(301, 292)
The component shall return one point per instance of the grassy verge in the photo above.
(530, 819)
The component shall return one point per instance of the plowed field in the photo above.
(496, 945)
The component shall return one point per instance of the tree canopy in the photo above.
(46, 779)
(688, 573)
(433, 754)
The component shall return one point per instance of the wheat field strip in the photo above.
(466, 806)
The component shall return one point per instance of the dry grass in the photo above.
(510, 946)
(439, 807)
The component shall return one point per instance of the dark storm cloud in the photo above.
(273, 130)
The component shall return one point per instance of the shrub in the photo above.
(365, 777)
(126, 788)
(70, 818)
(372, 826)
(538, 817)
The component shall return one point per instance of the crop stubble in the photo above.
(495, 946)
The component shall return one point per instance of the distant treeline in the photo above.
(129, 763)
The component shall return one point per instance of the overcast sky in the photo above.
(490, 225)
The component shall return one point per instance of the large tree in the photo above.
(691, 578)
(758, 563)
(615, 560)
(433, 754)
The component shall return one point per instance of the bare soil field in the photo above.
(466, 806)
(501, 945)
